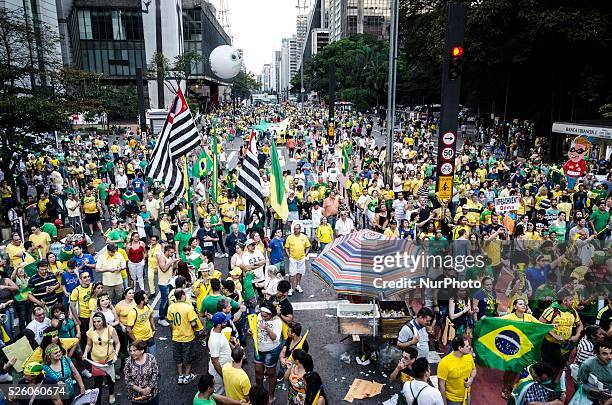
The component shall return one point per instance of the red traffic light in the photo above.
(457, 51)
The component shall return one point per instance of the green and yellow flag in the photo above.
(278, 201)
(203, 165)
(508, 345)
(347, 151)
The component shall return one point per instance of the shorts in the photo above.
(297, 266)
(293, 216)
(270, 358)
(92, 218)
(182, 352)
(281, 267)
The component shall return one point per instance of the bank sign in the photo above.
(585, 130)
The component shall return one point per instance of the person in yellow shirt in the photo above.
(79, 304)
(140, 325)
(297, 247)
(41, 241)
(228, 212)
(325, 233)
(456, 371)
(154, 249)
(183, 322)
(391, 232)
(15, 251)
(568, 328)
(235, 379)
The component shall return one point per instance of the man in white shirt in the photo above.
(219, 349)
(39, 323)
(399, 206)
(122, 180)
(344, 225)
(254, 261)
(418, 390)
(333, 173)
(200, 189)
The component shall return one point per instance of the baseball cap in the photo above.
(236, 271)
(249, 242)
(220, 318)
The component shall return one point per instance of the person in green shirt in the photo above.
(544, 295)
(210, 303)
(30, 259)
(117, 233)
(599, 219)
(181, 239)
(50, 228)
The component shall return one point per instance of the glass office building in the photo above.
(108, 40)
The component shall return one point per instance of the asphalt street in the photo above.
(315, 309)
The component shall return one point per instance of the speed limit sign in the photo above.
(446, 168)
(448, 153)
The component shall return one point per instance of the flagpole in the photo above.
(186, 184)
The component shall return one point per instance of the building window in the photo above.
(118, 26)
(84, 17)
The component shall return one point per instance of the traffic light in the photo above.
(455, 63)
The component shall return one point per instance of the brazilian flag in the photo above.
(508, 345)
(203, 165)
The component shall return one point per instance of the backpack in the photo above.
(415, 401)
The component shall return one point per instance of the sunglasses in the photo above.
(579, 150)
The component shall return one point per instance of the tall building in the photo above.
(301, 27)
(289, 63)
(266, 77)
(349, 17)
(42, 17)
(319, 39)
(116, 38)
(275, 71)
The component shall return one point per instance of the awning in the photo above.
(595, 131)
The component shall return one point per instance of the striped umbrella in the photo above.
(366, 262)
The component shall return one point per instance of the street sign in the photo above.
(446, 169)
(448, 138)
(445, 187)
(330, 130)
(448, 153)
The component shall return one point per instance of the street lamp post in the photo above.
(302, 83)
(393, 33)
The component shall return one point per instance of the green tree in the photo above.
(361, 70)
(545, 58)
(37, 94)
(243, 84)
(173, 73)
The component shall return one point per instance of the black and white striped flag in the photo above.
(178, 137)
(249, 180)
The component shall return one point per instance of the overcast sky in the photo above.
(258, 26)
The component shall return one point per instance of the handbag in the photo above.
(449, 331)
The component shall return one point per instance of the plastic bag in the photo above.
(581, 397)
(388, 357)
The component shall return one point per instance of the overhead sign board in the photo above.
(569, 128)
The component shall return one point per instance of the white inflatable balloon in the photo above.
(225, 62)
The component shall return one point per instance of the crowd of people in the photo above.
(82, 308)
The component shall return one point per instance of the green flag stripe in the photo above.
(277, 173)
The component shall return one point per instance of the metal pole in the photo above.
(302, 82)
(393, 33)
(141, 106)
